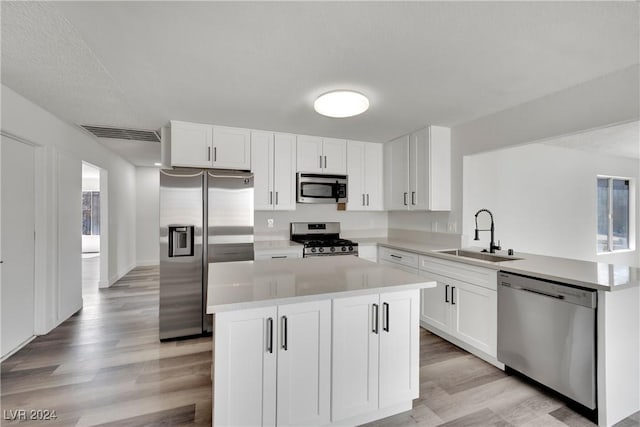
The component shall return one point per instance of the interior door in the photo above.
(17, 191)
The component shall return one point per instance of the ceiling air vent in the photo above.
(117, 133)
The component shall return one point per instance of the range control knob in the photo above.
(344, 249)
(333, 249)
(313, 249)
(320, 249)
(350, 248)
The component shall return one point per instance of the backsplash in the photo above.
(353, 223)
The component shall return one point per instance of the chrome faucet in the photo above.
(492, 245)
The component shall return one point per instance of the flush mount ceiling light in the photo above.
(341, 104)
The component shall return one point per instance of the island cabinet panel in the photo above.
(304, 363)
(245, 368)
(375, 352)
(399, 347)
(355, 356)
(272, 366)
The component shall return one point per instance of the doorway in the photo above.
(91, 229)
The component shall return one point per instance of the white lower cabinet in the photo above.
(272, 366)
(465, 310)
(375, 353)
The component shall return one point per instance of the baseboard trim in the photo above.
(147, 263)
(17, 349)
(117, 277)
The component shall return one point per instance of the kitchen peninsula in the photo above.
(315, 341)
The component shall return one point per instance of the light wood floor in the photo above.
(105, 366)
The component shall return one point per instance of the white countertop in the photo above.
(587, 274)
(251, 284)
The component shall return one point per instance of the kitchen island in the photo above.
(313, 341)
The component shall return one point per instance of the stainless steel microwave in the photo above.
(321, 188)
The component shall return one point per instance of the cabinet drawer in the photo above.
(485, 277)
(398, 257)
(275, 254)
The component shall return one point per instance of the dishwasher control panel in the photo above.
(560, 291)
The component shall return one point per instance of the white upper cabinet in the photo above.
(273, 159)
(321, 155)
(418, 170)
(364, 168)
(206, 146)
(231, 148)
(191, 144)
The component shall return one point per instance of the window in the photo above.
(90, 213)
(613, 214)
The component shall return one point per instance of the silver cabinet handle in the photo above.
(362, 199)
(374, 319)
(413, 197)
(208, 154)
(325, 162)
(270, 197)
(385, 317)
(270, 334)
(405, 198)
(278, 256)
(284, 333)
(215, 154)
(276, 197)
(446, 293)
(320, 162)
(367, 199)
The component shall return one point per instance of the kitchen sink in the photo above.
(484, 256)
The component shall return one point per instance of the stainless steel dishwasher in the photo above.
(547, 331)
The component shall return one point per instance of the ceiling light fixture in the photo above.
(341, 104)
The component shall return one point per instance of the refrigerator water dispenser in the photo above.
(181, 240)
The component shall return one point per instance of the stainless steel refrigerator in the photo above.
(206, 215)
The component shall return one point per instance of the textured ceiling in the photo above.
(620, 140)
(261, 64)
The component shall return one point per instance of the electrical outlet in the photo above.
(270, 223)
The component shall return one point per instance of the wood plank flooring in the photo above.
(105, 366)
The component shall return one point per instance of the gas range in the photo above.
(322, 239)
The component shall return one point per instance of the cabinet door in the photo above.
(435, 303)
(356, 329)
(245, 368)
(262, 158)
(399, 347)
(396, 174)
(304, 363)
(373, 173)
(309, 154)
(419, 170)
(334, 155)
(191, 144)
(231, 148)
(475, 316)
(284, 172)
(439, 168)
(355, 171)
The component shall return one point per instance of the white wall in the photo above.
(353, 224)
(613, 98)
(147, 216)
(543, 199)
(61, 149)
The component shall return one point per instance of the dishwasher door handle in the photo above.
(533, 291)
